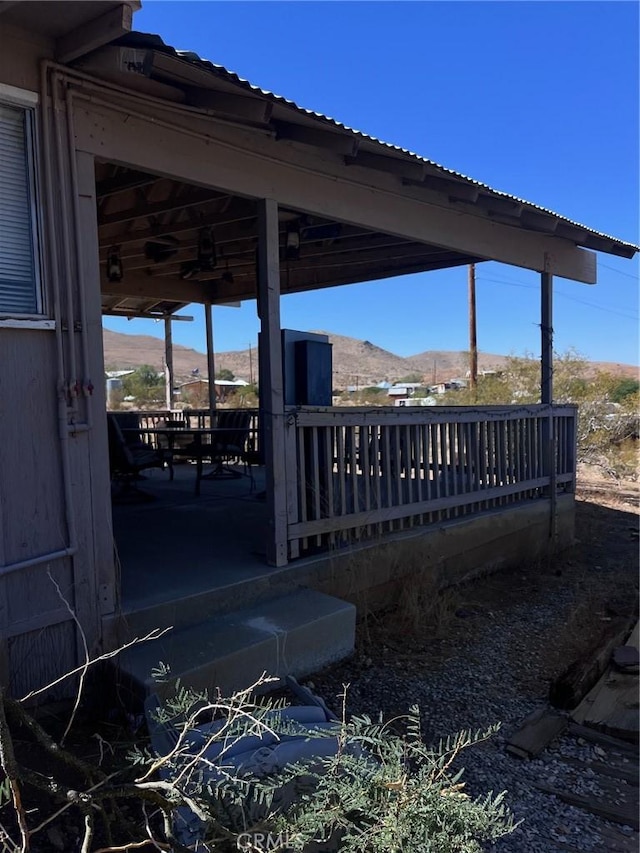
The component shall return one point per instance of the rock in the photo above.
(599, 751)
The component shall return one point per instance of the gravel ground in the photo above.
(494, 665)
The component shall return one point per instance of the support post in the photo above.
(271, 379)
(546, 335)
(211, 366)
(168, 362)
(473, 343)
(546, 393)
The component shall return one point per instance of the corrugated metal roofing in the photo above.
(150, 41)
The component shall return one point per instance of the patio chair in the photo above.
(127, 460)
(230, 445)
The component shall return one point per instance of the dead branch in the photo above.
(152, 635)
(10, 768)
(15, 709)
(87, 657)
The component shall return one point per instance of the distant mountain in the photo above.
(355, 362)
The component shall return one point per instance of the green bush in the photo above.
(381, 790)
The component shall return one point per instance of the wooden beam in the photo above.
(496, 204)
(235, 106)
(341, 143)
(539, 221)
(240, 210)
(571, 232)
(191, 199)
(243, 166)
(453, 189)
(140, 286)
(94, 34)
(123, 182)
(245, 287)
(271, 381)
(410, 169)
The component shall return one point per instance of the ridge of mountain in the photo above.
(355, 362)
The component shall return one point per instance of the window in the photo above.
(19, 266)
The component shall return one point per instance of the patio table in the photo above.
(198, 451)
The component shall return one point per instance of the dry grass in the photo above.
(419, 607)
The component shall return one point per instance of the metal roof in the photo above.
(148, 41)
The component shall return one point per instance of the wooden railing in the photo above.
(363, 473)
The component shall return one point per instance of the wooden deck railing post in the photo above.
(546, 391)
(271, 379)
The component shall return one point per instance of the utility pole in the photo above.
(250, 365)
(473, 343)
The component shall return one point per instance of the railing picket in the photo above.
(354, 433)
(377, 472)
(331, 444)
(303, 484)
(481, 468)
(419, 465)
(316, 489)
(406, 461)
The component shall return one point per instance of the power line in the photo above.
(613, 269)
(512, 283)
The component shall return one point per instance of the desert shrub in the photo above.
(377, 789)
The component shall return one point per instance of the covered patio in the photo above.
(193, 188)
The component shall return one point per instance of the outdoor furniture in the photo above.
(230, 442)
(128, 459)
(220, 444)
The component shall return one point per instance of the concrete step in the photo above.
(295, 634)
(181, 611)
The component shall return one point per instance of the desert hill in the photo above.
(355, 362)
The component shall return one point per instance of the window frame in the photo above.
(28, 102)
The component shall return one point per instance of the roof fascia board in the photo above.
(408, 169)
(263, 168)
(236, 106)
(340, 143)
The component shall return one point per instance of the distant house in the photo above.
(402, 390)
(199, 389)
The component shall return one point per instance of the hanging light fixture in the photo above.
(292, 245)
(114, 264)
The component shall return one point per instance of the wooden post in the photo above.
(271, 379)
(211, 366)
(546, 335)
(473, 345)
(168, 362)
(546, 392)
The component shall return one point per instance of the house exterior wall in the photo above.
(55, 540)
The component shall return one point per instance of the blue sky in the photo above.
(537, 99)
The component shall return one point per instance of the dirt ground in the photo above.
(601, 570)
